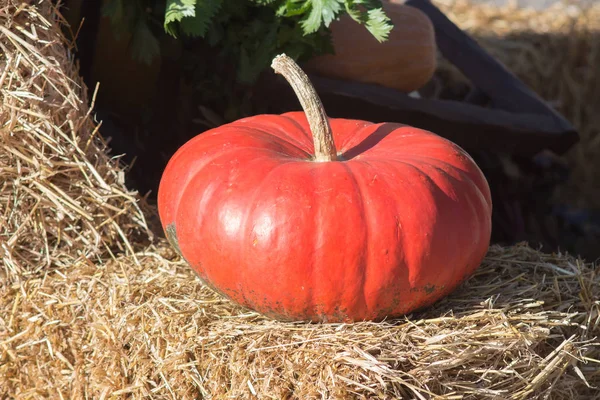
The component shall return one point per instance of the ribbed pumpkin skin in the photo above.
(397, 225)
(406, 61)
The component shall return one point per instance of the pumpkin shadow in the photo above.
(371, 141)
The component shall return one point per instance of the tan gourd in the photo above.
(406, 61)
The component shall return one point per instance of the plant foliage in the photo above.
(248, 32)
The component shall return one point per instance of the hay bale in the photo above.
(556, 52)
(140, 325)
(62, 197)
(525, 326)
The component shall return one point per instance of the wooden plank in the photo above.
(470, 126)
(501, 113)
(503, 88)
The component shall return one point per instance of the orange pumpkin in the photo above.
(406, 61)
(303, 217)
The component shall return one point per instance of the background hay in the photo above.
(556, 52)
(77, 323)
(62, 197)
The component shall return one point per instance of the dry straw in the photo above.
(556, 52)
(62, 197)
(524, 327)
(76, 323)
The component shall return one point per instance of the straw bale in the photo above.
(77, 323)
(62, 197)
(556, 52)
(526, 326)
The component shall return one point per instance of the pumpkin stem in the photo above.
(311, 104)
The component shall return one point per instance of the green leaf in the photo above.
(113, 9)
(379, 24)
(177, 10)
(144, 45)
(322, 12)
(352, 11)
(198, 24)
(375, 19)
(123, 15)
(292, 8)
(357, 9)
(258, 57)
